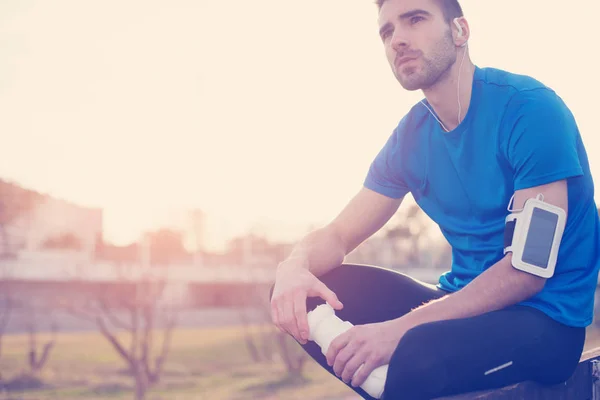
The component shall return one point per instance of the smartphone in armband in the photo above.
(533, 236)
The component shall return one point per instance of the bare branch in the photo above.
(5, 313)
(112, 318)
(32, 341)
(135, 323)
(5, 317)
(45, 353)
(113, 340)
(82, 313)
(148, 313)
(166, 345)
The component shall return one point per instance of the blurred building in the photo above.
(195, 235)
(33, 222)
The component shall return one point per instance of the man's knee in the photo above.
(415, 370)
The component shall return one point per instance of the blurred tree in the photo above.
(6, 306)
(37, 359)
(138, 309)
(265, 344)
(409, 232)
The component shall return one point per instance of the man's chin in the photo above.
(410, 81)
(410, 88)
(410, 84)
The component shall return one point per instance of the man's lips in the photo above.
(401, 60)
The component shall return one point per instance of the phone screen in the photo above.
(539, 238)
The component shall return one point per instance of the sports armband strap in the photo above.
(509, 231)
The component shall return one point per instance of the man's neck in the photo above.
(444, 96)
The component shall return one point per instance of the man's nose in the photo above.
(399, 40)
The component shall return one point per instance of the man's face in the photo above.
(418, 41)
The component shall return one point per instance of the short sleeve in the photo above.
(383, 176)
(542, 139)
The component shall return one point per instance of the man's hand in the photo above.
(370, 345)
(293, 284)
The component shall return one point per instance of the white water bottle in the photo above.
(324, 326)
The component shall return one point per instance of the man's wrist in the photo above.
(294, 261)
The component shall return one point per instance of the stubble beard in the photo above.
(429, 70)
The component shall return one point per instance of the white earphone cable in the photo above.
(434, 116)
(458, 85)
(457, 92)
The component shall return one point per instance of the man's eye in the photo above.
(415, 19)
(386, 34)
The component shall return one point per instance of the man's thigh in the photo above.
(483, 352)
(372, 294)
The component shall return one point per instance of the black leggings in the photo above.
(450, 357)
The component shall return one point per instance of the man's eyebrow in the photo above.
(412, 13)
(404, 16)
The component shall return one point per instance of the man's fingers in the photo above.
(290, 324)
(275, 316)
(343, 356)
(329, 296)
(281, 314)
(364, 371)
(336, 346)
(301, 318)
(353, 364)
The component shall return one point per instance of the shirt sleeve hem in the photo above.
(545, 179)
(386, 191)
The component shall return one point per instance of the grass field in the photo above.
(203, 364)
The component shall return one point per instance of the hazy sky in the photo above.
(264, 113)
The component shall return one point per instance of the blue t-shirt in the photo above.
(517, 134)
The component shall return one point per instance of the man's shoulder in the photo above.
(511, 83)
(414, 117)
(503, 77)
(519, 92)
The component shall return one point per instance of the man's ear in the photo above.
(462, 32)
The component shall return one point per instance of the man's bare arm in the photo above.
(500, 285)
(325, 248)
(320, 251)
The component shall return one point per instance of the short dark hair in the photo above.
(450, 8)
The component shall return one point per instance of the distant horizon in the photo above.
(274, 231)
(171, 219)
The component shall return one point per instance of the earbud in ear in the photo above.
(460, 31)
